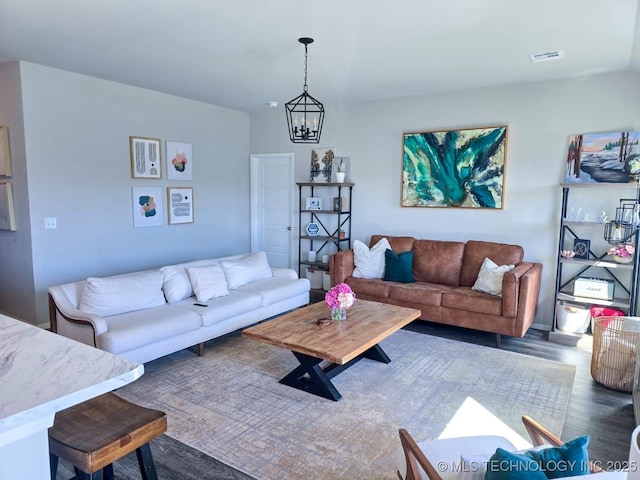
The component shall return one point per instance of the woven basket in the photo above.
(615, 347)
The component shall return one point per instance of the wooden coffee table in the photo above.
(339, 344)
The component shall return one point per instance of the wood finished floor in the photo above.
(605, 415)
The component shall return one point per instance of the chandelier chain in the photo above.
(305, 69)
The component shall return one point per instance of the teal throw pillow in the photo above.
(504, 465)
(571, 459)
(398, 268)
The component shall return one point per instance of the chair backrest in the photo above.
(414, 457)
(541, 436)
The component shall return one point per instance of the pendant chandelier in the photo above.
(305, 114)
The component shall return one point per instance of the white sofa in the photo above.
(146, 315)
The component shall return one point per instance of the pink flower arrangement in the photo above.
(340, 296)
(626, 250)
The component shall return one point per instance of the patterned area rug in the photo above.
(229, 404)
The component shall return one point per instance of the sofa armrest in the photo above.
(287, 273)
(60, 304)
(341, 266)
(520, 291)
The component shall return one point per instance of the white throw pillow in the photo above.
(490, 277)
(176, 284)
(208, 282)
(121, 294)
(246, 269)
(369, 262)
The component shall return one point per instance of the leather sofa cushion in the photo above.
(372, 288)
(418, 293)
(436, 261)
(463, 298)
(398, 244)
(476, 251)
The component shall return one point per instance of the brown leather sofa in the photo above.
(445, 272)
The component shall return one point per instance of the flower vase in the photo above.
(618, 259)
(338, 314)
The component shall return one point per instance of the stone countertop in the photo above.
(42, 373)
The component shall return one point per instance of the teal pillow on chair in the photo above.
(504, 465)
(571, 459)
(398, 268)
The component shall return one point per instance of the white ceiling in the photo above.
(243, 54)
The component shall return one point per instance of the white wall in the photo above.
(17, 296)
(540, 118)
(77, 132)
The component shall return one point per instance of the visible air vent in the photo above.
(546, 56)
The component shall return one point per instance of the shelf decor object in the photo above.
(581, 248)
(627, 219)
(454, 168)
(305, 114)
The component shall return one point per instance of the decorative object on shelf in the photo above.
(5, 158)
(454, 168)
(313, 203)
(567, 253)
(339, 299)
(147, 206)
(313, 229)
(341, 169)
(341, 233)
(325, 259)
(145, 157)
(321, 164)
(339, 204)
(602, 158)
(180, 204)
(622, 253)
(627, 219)
(179, 161)
(305, 114)
(311, 256)
(594, 288)
(581, 248)
(7, 213)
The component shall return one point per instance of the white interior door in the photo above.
(272, 194)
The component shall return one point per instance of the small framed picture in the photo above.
(147, 206)
(180, 204)
(339, 204)
(145, 157)
(581, 248)
(5, 159)
(179, 161)
(313, 203)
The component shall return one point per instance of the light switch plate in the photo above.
(50, 223)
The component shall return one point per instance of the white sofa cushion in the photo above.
(246, 270)
(208, 282)
(123, 293)
(274, 289)
(222, 308)
(369, 262)
(490, 277)
(176, 285)
(143, 327)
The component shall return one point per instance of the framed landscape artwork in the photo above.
(5, 159)
(145, 157)
(454, 168)
(321, 162)
(7, 214)
(602, 158)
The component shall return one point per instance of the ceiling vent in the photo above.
(546, 56)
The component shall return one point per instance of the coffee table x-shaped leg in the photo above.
(311, 377)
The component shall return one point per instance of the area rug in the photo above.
(229, 404)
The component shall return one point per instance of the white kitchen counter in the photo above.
(42, 373)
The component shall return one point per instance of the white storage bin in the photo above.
(326, 280)
(315, 277)
(573, 318)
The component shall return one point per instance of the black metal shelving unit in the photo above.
(330, 221)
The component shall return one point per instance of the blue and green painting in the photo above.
(454, 168)
(610, 157)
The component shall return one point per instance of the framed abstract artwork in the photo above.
(180, 202)
(5, 159)
(603, 158)
(147, 206)
(7, 213)
(454, 168)
(179, 161)
(145, 157)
